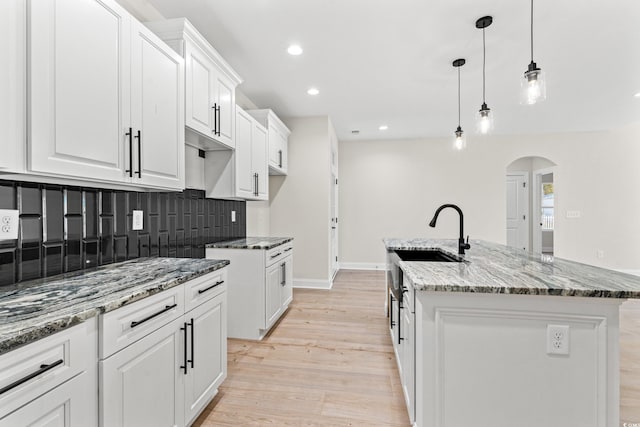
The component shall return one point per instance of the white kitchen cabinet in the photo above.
(251, 158)
(52, 381)
(260, 288)
(169, 374)
(278, 140)
(210, 86)
(13, 85)
(112, 114)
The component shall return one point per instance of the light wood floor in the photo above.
(330, 362)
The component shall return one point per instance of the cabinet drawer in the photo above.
(204, 288)
(36, 368)
(278, 253)
(128, 324)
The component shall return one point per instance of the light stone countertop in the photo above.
(493, 268)
(250, 243)
(33, 310)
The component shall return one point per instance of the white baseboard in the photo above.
(312, 284)
(362, 266)
(634, 272)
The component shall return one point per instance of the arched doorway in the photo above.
(530, 219)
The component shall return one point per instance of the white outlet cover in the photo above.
(137, 220)
(574, 214)
(9, 224)
(233, 216)
(558, 339)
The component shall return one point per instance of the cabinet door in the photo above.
(275, 141)
(408, 366)
(200, 79)
(225, 98)
(74, 403)
(157, 101)
(287, 282)
(208, 354)
(79, 94)
(12, 85)
(284, 146)
(143, 385)
(273, 298)
(245, 178)
(259, 161)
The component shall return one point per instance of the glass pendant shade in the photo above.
(484, 121)
(533, 87)
(460, 140)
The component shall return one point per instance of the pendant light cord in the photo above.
(484, 60)
(458, 96)
(531, 30)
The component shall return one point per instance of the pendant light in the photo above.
(533, 88)
(460, 141)
(485, 117)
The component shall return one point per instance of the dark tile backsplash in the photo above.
(64, 228)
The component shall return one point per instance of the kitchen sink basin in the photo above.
(432, 255)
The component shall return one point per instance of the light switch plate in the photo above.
(137, 220)
(233, 216)
(8, 224)
(574, 214)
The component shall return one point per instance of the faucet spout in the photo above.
(461, 243)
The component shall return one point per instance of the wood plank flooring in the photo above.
(330, 362)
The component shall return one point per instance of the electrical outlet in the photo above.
(8, 224)
(558, 339)
(233, 216)
(137, 223)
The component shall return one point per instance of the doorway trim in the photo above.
(536, 231)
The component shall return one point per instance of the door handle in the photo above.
(130, 135)
(139, 171)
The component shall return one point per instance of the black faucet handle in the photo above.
(467, 245)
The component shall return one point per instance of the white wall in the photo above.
(299, 202)
(142, 10)
(392, 188)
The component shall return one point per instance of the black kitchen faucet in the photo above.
(461, 243)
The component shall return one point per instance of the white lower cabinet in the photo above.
(53, 381)
(402, 328)
(167, 377)
(260, 288)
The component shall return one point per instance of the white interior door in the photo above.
(334, 225)
(518, 211)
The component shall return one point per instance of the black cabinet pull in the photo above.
(192, 341)
(139, 171)
(43, 368)
(184, 367)
(280, 162)
(218, 126)
(283, 267)
(164, 310)
(130, 135)
(288, 249)
(276, 255)
(215, 118)
(255, 184)
(202, 291)
(400, 339)
(391, 322)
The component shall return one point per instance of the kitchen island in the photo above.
(508, 338)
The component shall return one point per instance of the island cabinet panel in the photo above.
(482, 360)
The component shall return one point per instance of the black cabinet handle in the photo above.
(276, 255)
(215, 118)
(218, 126)
(288, 249)
(139, 171)
(184, 367)
(202, 291)
(400, 339)
(283, 267)
(130, 135)
(280, 162)
(391, 322)
(255, 184)
(192, 341)
(43, 368)
(164, 310)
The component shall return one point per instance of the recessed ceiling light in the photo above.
(313, 91)
(383, 127)
(637, 95)
(295, 50)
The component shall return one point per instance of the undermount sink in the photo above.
(432, 255)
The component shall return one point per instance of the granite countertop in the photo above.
(250, 243)
(493, 268)
(33, 310)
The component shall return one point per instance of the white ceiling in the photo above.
(389, 61)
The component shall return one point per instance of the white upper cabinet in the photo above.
(12, 85)
(106, 98)
(278, 140)
(79, 88)
(251, 158)
(210, 86)
(156, 111)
